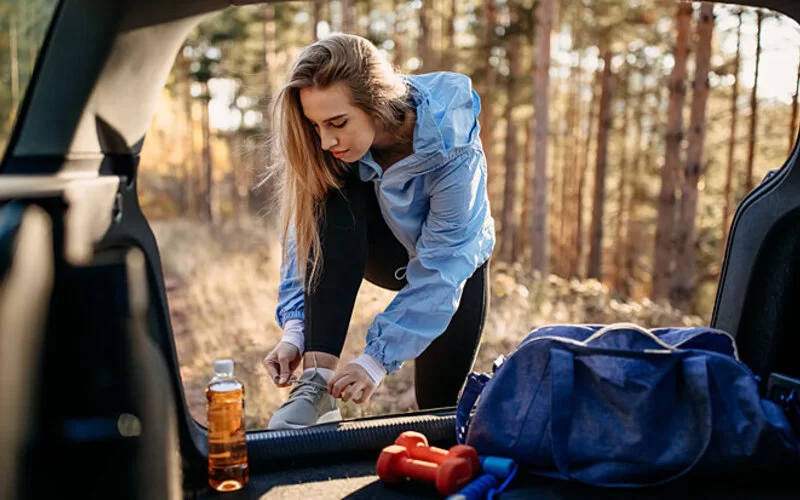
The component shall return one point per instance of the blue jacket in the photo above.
(435, 203)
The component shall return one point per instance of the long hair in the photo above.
(305, 172)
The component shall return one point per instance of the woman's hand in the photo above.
(352, 382)
(282, 362)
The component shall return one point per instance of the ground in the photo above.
(222, 290)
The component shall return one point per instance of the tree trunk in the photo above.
(188, 151)
(683, 282)
(605, 122)
(509, 196)
(234, 158)
(33, 44)
(349, 16)
(512, 150)
(316, 19)
(521, 239)
(751, 141)
(258, 194)
(633, 232)
(450, 17)
(569, 155)
(425, 39)
(269, 34)
(555, 185)
(567, 176)
(28, 46)
(487, 98)
(363, 10)
(13, 37)
(737, 65)
(579, 236)
(541, 133)
(664, 250)
(618, 276)
(209, 196)
(573, 125)
(399, 29)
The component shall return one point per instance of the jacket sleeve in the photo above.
(457, 237)
(291, 299)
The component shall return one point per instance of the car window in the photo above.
(24, 25)
(614, 167)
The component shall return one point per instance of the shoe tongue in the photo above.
(312, 376)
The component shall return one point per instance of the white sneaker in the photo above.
(309, 403)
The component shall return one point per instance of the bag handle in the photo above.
(562, 365)
(472, 390)
(615, 327)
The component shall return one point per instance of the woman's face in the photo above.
(344, 130)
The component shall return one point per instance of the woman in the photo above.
(383, 178)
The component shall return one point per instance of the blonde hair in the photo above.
(306, 173)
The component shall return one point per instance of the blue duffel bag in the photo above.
(624, 406)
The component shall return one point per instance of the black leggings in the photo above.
(357, 244)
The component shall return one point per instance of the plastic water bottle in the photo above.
(227, 448)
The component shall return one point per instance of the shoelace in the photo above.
(305, 389)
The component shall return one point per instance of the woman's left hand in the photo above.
(349, 382)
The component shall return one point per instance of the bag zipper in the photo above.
(567, 340)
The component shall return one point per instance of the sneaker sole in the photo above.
(331, 416)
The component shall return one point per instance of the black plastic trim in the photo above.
(747, 240)
(354, 436)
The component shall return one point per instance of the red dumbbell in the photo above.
(395, 465)
(417, 445)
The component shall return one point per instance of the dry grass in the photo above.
(222, 289)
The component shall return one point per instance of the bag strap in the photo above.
(616, 327)
(562, 375)
(473, 388)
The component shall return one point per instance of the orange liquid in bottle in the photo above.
(227, 448)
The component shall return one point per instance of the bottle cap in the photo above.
(223, 367)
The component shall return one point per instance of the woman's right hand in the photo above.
(282, 362)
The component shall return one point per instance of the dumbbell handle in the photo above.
(418, 469)
(439, 455)
(428, 454)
